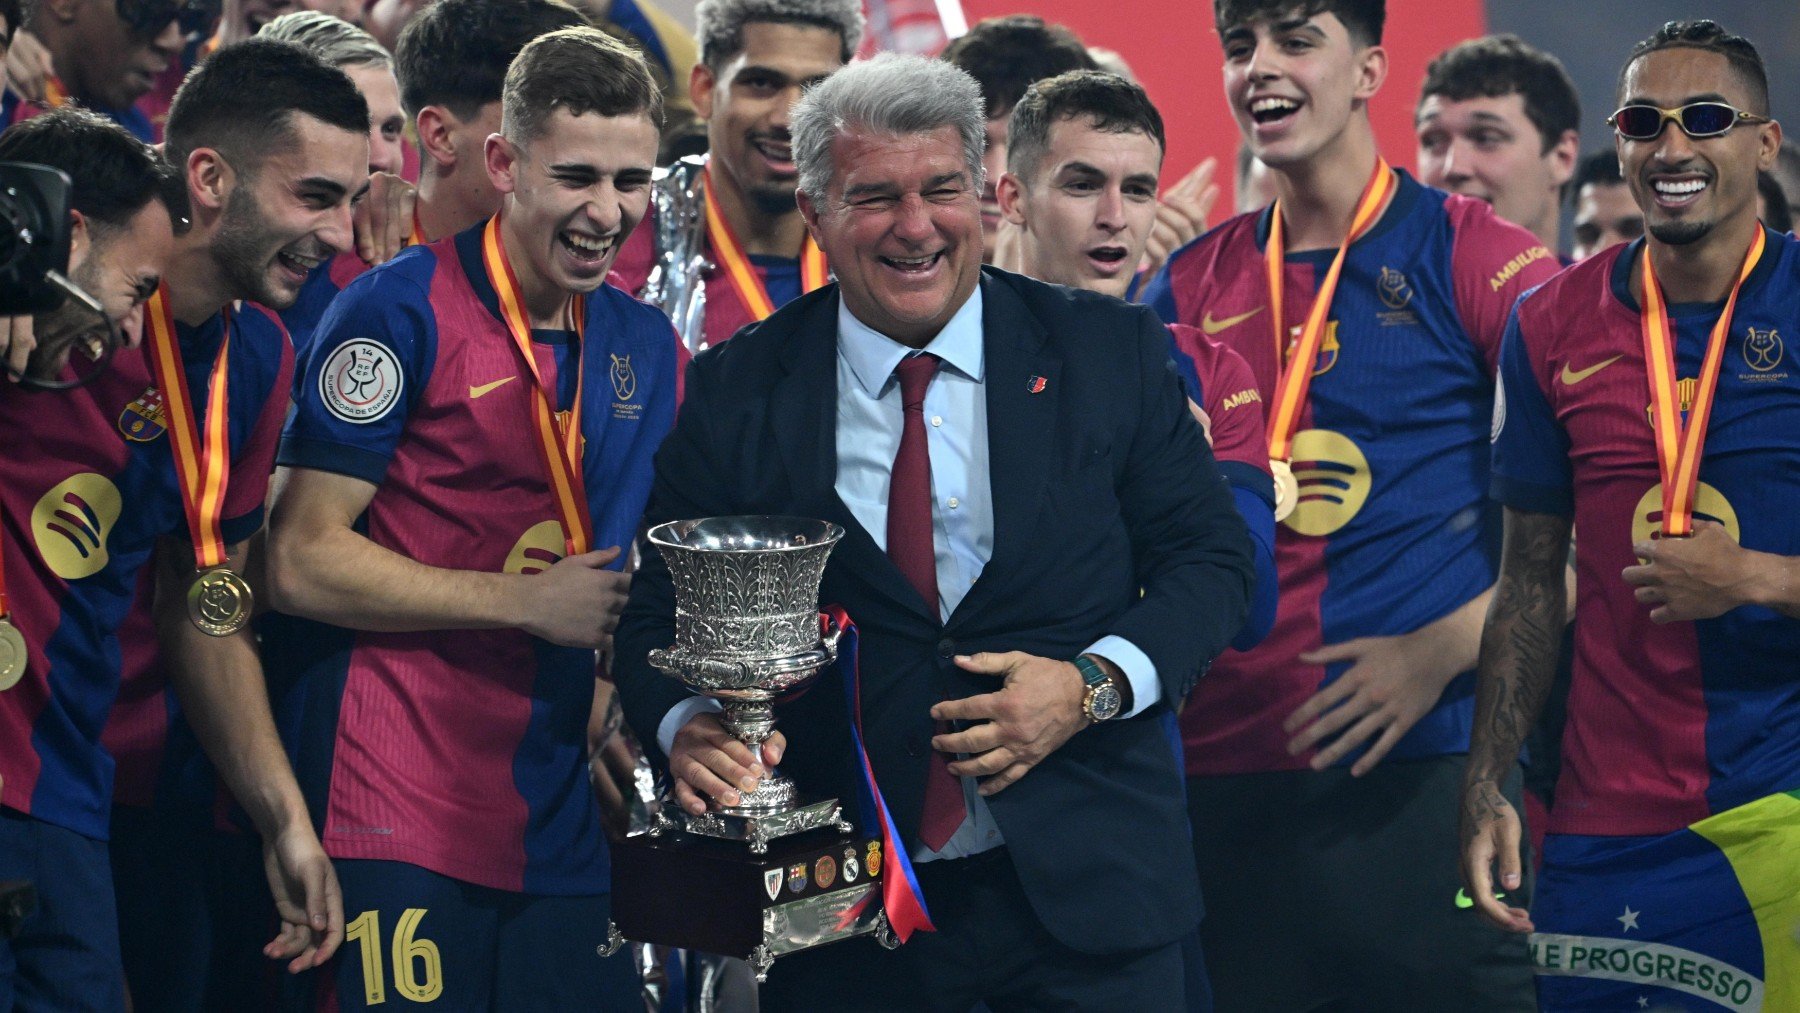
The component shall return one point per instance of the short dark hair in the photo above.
(1007, 55)
(1109, 102)
(1494, 66)
(14, 13)
(1597, 168)
(114, 175)
(1775, 203)
(243, 99)
(454, 53)
(719, 24)
(583, 70)
(1711, 37)
(1363, 18)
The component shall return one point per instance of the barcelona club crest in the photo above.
(1328, 347)
(143, 419)
(796, 877)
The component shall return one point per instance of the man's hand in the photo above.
(1490, 832)
(612, 760)
(1036, 710)
(1181, 215)
(707, 762)
(384, 218)
(1694, 578)
(28, 67)
(1391, 683)
(576, 603)
(16, 345)
(306, 897)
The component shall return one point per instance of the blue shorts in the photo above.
(414, 936)
(66, 955)
(1701, 919)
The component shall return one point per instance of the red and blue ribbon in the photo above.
(901, 895)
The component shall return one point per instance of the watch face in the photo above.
(1104, 702)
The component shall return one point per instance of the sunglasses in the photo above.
(1697, 119)
(150, 17)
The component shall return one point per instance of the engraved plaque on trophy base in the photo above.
(678, 889)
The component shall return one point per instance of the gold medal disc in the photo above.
(219, 602)
(12, 654)
(1287, 490)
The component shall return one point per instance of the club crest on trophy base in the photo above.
(778, 872)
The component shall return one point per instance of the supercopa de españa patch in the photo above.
(361, 381)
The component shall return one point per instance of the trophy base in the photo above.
(713, 895)
(753, 827)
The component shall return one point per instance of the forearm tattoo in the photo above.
(1519, 642)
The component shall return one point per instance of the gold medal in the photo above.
(1287, 490)
(12, 654)
(219, 602)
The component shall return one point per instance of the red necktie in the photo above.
(909, 545)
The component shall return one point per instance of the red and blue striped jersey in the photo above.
(90, 487)
(461, 751)
(1667, 724)
(1393, 529)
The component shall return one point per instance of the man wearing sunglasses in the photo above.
(106, 54)
(1651, 397)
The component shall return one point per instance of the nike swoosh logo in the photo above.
(1212, 327)
(475, 392)
(1463, 901)
(1571, 377)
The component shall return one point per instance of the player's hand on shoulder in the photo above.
(307, 898)
(1036, 709)
(28, 67)
(710, 766)
(1490, 834)
(384, 218)
(576, 603)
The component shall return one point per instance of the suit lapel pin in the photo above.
(1036, 385)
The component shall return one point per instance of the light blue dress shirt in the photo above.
(869, 423)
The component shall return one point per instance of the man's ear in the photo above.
(1010, 192)
(80, 241)
(810, 212)
(436, 136)
(63, 11)
(1372, 72)
(210, 180)
(1563, 156)
(701, 85)
(503, 159)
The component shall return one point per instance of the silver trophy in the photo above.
(747, 632)
(675, 285)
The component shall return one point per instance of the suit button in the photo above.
(946, 648)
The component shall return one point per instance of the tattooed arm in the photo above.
(1518, 659)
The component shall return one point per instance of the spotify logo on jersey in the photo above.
(1709, 505)
(1334, 480)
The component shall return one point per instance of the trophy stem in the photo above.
(752, 721)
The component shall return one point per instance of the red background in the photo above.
(1175, 53)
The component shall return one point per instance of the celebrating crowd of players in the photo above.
(308, 593)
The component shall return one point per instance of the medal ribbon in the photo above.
(202, 456)
(814, 272)
(901, 895)
(1296, 373)
(55, 95)
(1679, 447)
(559, 437)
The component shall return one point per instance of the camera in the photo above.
(34, 237)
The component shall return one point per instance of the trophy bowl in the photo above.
(747, 632)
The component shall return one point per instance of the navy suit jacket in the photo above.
(1103, 487)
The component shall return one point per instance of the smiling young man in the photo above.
(470, 449)
(1374, 356)
(148, 478)
(1650, 401)
(754, 255)
(1497, 120)
(1037, 550)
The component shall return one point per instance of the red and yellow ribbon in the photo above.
(1296, 370)
(202, 455)
(1678, 446)
(814, 272)
(559, 434)
(55, 94)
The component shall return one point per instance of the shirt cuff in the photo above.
(680, 714)
(1139, 671)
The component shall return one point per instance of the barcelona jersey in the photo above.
(461, 751)
(1393, 529)
(90, 487)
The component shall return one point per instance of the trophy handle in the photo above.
(614, 940)
(829, 635)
